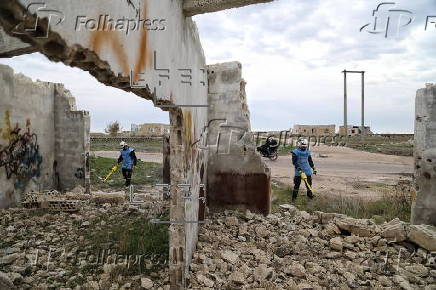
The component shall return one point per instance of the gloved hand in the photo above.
(314, 171)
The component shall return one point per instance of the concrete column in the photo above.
(424, 207)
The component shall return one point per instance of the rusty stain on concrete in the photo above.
(100, 38)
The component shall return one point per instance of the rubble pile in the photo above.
(42, 249)
(293, 249)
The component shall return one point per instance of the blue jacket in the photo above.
(302, 159)
(128, 157)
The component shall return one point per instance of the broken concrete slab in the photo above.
(424, 236)
(395, 231)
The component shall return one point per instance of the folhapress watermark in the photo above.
(55, 17)
(105, 22)
(388, 20)
(98, 257)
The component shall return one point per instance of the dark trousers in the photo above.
(127, 174)
(297, 183)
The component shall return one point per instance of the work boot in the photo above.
(310, 195)
(294, 195)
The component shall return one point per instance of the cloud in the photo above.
(292, 53)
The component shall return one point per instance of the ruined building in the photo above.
(44, 141)
(167, 66)
(314, 130)
(353, 130)
(149, 129)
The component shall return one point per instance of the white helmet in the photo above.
(302, 143)
(122, 144)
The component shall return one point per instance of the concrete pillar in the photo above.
(424, 207)
(236, 175)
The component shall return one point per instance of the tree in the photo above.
(113, 128)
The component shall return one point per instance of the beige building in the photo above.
(314, 130)
(150, 129)
(354, 130)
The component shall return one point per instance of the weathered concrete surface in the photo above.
(72, 142)
(424, 208)
(35, 118)
(10, 46)
(236, 176)
(193, 7)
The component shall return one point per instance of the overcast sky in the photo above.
(292, 54)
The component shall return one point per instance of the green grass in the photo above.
(131, 235)
(390, 206)
(151, 146)
(391, 146)
(144, 173)
(285, 150)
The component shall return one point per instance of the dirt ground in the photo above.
(345, 171)
(341, 170)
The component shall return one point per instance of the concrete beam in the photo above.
(194, 7)
(11, 46)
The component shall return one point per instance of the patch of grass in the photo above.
(143, 173)
(399, 146)
(285, 150)
(132, 235)
(390, 206)
(150, 146)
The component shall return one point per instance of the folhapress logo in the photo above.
(42, 11)
(107, 23)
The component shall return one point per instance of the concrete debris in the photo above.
(395, 231)
(50, 200)
(57, 250)
(424, 236)
(312, 251)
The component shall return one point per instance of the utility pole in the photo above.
(362, 126)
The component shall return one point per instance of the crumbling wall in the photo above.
(424, 207)
(29, 156)
(236, 176)
(72, 142)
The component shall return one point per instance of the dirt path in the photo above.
(344, 171)
(146, 157)
(348, 171)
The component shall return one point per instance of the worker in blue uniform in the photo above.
(302, 161)
(128, 157)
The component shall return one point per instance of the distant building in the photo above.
(150, 129)
(314, 130)
(354, 130)
(134, 127)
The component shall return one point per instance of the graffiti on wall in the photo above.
(80, 173)
(20, 157)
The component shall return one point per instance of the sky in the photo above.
(292, 54)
